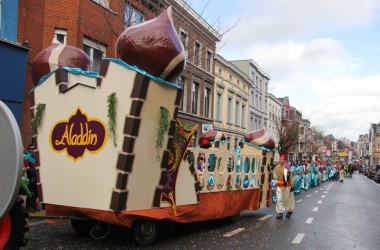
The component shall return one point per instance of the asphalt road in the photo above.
(333, 215)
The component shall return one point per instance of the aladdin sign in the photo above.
(78, 134)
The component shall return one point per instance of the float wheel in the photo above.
(145, 231)
(13, 227)
(5, 231)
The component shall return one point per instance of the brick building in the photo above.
(198, 79)
(94, 26)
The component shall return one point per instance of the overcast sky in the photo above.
(323, 54)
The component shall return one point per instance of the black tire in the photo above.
(83, 227)
(19, 226)
(233, 218)
(145, 231)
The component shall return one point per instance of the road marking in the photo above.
(321, 189)
(319, 202)
(315, 209)
(265, 217)
(309, 220)
(315, 192)
(238, 230)
(308, 195)
(300, 200)
(326, 192)
(298, 238)
(323, 196)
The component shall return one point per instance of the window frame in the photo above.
(194, 95)
(60, 32)
(93, 45)
(132, 20)
(207, 102)
(197, 54)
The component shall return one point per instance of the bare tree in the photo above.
(318, 134)
(340, 145)
(288, 136)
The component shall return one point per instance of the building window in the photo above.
(194, 98)
(61, 35)
(132, 16)
(243, 116)
(237, 114)
(184, 39)
(252, 98)
(266, 106)
(220, 71)
(207, 102)
(218, 107)
(104, 3)
(197, 51)
(208, 60)
(231, 78)
(260, 104)
(182, 82)
(378, 144)
(229, 110)
(251, 125)
(95, 51)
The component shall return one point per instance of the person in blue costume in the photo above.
(298, 178)
(328, 168)
(31, 173)
(293, 167)
(273, 183)
(320, 172)
(307, 176)
(315, 176)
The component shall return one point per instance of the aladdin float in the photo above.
(109, 147)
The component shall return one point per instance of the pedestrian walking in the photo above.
(284, 188)
(341, 174)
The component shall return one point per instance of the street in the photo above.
(333, 215)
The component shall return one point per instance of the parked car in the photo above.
(362, 169)
(377, 176)
(373, 171)
(365, 170)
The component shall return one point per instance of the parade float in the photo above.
(109, 147)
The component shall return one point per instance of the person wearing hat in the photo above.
(29, 166)
(284, 189)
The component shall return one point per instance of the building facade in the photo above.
(374, 144)
(231, 101)
(274, 120)
(258, 95)
(198, 80)
(363, 149)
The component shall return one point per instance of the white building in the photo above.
(258, 95)
(274, 120)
